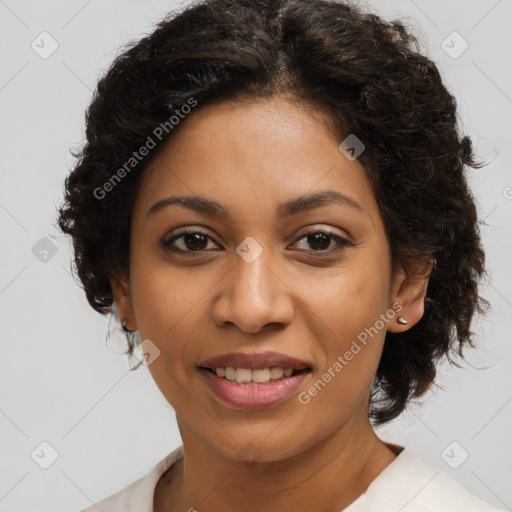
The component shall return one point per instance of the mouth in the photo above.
(245, 388)
(252, 381)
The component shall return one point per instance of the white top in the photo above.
(405, 485)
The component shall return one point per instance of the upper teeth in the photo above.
(246, 375)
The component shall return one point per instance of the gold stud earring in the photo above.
(401, 320)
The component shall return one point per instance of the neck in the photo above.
(327, 476)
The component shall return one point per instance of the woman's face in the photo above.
(249, 280)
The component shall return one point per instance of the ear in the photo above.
(409, 288)
(122, 298)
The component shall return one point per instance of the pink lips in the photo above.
(254, 395)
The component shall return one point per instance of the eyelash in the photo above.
(167, 244)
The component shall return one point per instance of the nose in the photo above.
(254, 295)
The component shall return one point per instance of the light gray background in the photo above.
(61, 383)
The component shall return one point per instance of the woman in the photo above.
(272, 202)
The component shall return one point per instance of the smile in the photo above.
(249, 393)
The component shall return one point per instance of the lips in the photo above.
(253, 381)
(255, 361)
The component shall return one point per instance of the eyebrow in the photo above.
(292, 207)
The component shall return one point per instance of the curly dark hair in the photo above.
(370, 77)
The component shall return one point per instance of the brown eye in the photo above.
(192, 241)
(324, 241)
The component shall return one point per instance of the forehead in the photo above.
(254, 154)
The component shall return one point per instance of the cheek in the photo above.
(353, 306)
(352, 298)
(168, 307)
(352, 352)
(166, 299)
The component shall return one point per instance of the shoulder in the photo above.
(443, 493)
(138, 496)
(408, 484)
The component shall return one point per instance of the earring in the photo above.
(126, 328)
(401, 320)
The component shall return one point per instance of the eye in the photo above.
(323, 241)
(189, 241)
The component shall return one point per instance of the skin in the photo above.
(251, 156)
